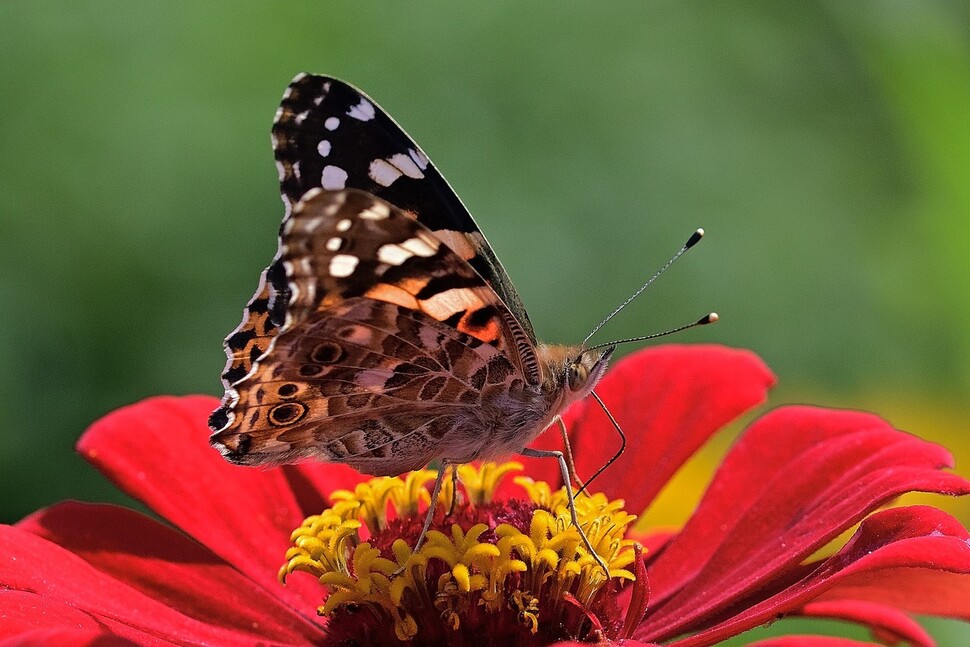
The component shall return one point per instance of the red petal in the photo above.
(68, 638)
(50, 585)
(890, 552)
(811, 641)
(928, 573)
(639, 594)
(669, 400)
(24, 611)
(313, 481)
(796, 479)
(169, 567)
(158, 451)
(891, 625)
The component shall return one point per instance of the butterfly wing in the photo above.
(384, 342)
(330, 135)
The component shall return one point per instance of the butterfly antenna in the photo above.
(703, 321)
(693, 240)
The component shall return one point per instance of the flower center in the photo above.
(516, 568)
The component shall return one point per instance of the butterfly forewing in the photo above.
(328, 134)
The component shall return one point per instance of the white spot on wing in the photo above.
(419, 247)
(419, 158)
(343, 225)
(382, 172)
(323, 148)
(406, 165)
(334, 244)
(300, 118)
(377, 211)
(386, 171)
(331, 123)
(363, 111)
(342, 265)
(393, 254)
(333, 178)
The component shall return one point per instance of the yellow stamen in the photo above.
(481, 483)
(546, 558)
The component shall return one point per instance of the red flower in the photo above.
(84, 574)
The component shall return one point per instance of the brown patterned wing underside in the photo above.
(348, 248)
(373, 384)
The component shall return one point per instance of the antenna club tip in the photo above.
(709, 319)
(694, 238)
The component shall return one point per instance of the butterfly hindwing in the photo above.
(328, 134)
(368, 383)
(382, 341)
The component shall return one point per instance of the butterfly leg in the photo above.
(454, 491)
(564, 469)
(432, 505)
(569, 455)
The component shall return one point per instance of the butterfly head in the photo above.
(586, 369)
(571, 372)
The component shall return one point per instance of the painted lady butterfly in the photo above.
(385, 334)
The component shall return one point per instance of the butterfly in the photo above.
(385, 334)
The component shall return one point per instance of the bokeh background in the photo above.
(825, 147)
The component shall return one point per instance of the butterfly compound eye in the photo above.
(576, 375)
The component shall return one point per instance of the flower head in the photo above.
(516, 569)
(503, 557)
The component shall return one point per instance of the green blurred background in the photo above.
(824, 146)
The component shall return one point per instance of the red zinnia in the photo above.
(82, 574)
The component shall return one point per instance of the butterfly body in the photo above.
(385, 334)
